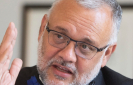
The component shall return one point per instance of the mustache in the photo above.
(63, 63)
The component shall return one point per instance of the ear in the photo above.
(108, 53)
(43, 25)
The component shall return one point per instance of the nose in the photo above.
(68, 53)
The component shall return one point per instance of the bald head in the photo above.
(116, 11)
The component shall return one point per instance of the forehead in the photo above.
(82, 22)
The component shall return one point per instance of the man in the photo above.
(76, 39)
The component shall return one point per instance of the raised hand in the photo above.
(8, 77)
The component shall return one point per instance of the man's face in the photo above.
(63, 66)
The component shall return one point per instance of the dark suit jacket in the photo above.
(106, 76)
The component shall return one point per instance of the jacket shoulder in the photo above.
(114, 78)
(25, 74)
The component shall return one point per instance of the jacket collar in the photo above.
(99, 80)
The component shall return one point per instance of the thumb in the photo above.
(15, 68)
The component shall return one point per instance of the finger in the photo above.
(5, 65)
(8, 38)
(7, 62)
(8, 29)
(6, 78)
(8, 43)
(10, 55)
(0, 73)
(4, 72)
(5, 55)
(15, 68)
(12, 43)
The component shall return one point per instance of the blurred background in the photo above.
(27, 15)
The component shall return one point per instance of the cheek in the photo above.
(48, 50)
(86, 66)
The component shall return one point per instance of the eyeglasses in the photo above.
(82, 49)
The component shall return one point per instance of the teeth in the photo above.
(63, 69)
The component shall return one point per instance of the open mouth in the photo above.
(63, 69)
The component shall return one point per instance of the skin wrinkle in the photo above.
(66, 32)
(62, 29)
(76, 13)
(81, 22)
(103, 14)
(91, 30)
(90, 38)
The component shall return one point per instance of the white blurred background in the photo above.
(12, 10)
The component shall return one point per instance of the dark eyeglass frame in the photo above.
(98, 49)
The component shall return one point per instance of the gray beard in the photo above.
(43, 66)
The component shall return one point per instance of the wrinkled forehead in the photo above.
(97, 22)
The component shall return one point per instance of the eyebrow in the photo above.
(89, 41)
(61, 28)
(84, 39)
